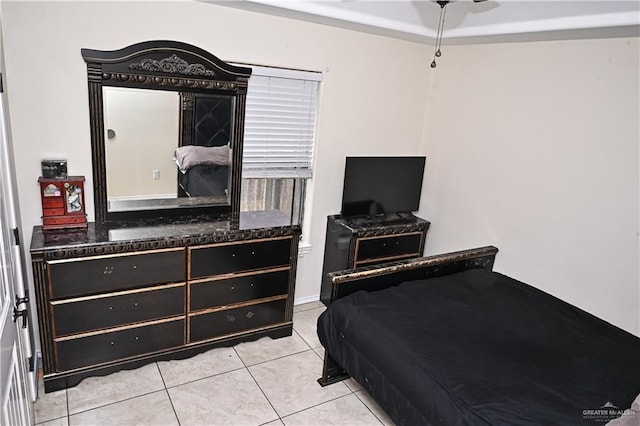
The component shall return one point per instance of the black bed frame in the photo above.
(378, 277)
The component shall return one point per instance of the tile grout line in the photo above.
(204, 378)
(281, 357)
(166, 390)
(278, 357)
(115, 402)
(351, 391)
(66, 397)
(369, 408)
(329, 400)
(259, 387)
(66, 400)
(307, 309)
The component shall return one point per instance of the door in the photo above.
(16, 381)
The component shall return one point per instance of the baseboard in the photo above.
(308, 299)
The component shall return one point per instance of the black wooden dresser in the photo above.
(118, 298)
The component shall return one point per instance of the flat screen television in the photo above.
(378, 186)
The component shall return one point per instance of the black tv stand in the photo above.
(399, 218)
(363, 241)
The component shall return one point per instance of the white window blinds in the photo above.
(280, 123)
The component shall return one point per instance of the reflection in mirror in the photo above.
(205, 153)
(141, 135)
(160, 157)
(167, 125)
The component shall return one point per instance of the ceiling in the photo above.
(466, 21)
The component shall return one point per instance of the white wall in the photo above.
(146, 128)
(373, 94)
(533, 147)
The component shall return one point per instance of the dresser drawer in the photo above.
(63, 220)
(98, 312)
(52, 212)
(228, 321)
(237, 257)
(52, 203)
(390, 246)
(222, 292)
(92, 275)
(124, 343)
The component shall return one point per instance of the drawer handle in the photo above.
(231, 318)
(107, 270)
(250, 314)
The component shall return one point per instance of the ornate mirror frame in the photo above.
(168, 66)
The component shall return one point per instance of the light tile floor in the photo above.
(266, 382)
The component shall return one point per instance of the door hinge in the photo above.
(33, 363)
(21, 313)
(1, 85)
(16, 236)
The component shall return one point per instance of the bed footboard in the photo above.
(378, 277)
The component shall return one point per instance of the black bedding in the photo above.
(478, 347)
(204, 181)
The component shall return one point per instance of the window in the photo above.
(280, 125)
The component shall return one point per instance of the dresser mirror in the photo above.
(167, 122)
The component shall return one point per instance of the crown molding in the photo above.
(329, 13)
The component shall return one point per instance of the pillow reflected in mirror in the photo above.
(193, 155)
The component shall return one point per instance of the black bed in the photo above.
(204, 181)
(466, 345)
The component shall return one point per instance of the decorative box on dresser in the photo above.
(355, 242)
(112, 299)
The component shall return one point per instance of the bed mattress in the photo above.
(205, 181)
(478, 347)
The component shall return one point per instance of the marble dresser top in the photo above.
(251, 224)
